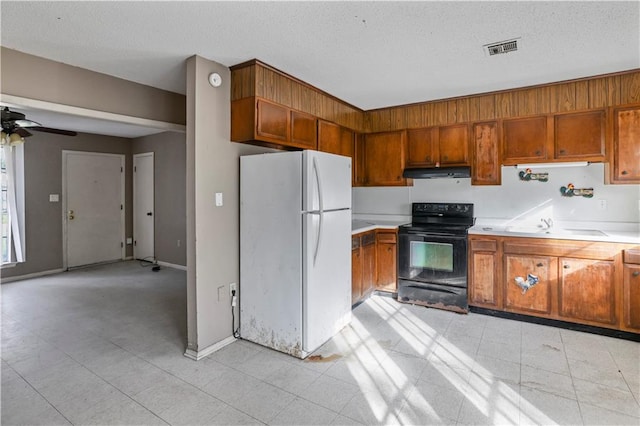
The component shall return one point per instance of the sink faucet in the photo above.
(548, 223)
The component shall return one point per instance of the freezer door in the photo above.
(326, 181)
(271, 251)
(326, 292)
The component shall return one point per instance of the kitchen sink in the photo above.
(559, 231)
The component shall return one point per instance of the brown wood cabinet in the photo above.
(438, 146)
(578, 281)
(339, 140)
(484, 272)
(485, 157)
(383, 158)
(363, 265)
(631, 290)
(626, 145)
(261, 122)
(387, 260)
(576, 136)
(580, 136)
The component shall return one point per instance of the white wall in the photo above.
(514, 198)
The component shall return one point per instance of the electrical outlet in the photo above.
(233, 288)
(178, 243)
(220, 293)
(602, 204)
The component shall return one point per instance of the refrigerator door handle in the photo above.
(321, 209)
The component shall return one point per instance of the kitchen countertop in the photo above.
(611, 232)
(364, 225)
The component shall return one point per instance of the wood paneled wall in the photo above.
(255, 78)
(589, 93)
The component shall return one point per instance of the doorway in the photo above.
(143, 207)
(93, 208)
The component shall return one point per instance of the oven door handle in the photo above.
(437, 234)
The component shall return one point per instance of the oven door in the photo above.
(433, 258)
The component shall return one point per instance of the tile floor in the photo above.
(104, 346)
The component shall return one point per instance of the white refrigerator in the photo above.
(295, 249)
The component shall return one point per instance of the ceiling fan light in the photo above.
(15, 139)
(3, 138)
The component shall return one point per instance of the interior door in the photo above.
(93, 195)
(143, 207)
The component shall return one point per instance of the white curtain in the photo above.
(12, 154)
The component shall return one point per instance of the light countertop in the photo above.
(359, 225)
(611, 232)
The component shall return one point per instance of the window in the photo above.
(12, 203)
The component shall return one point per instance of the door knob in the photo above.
(149, 214)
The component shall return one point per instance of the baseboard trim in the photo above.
(33, 275)
(128, 258)
(171, 265)
(198, 355)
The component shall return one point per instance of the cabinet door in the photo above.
(453, 144)
(386, 261)
(626, 145)
(384, 159)
(631, 296)
(579, 136)
(484, 267)
(272, 122)
(537, 298)
(335, 139)
(485, 169)
(422, 149)
(587, 290)
(356, 270)
(368, 263)
(303, 130)
(525, 139)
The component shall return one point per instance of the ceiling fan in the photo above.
(16, 122)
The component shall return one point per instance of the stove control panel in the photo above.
(442, 209)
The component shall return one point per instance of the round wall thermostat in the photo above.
(214, 79)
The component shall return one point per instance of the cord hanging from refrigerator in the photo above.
(234, 331)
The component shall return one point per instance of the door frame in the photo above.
(135, 199)
(122, 157)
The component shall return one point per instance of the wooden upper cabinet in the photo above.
(485, 166)
(335, 139)
(453, 143)
(422, 147)
(261, 122)
(626, 145)
(272, 121)
(433, 146)
(303, 130)
(383, 158)
(580, 136)
(525, 140)
(587, 290)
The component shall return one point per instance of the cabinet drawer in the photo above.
(387, 237)
(369, 238)
(484, 245)
(632, 256)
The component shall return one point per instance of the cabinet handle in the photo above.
(446, 157)
(539, 265)
(562, 151)
(537, 152)
(624, 172)
(635, 274)
(566, 266)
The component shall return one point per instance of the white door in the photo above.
(143, 211)
(93, 196)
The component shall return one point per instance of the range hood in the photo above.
(438, 172)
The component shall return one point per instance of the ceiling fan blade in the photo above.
(54, 131)
(22, 132)
(26, 123)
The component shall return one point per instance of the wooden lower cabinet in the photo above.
(538, 297)
(587, 291)
(363, 265)
(578, 281)
(387, 260)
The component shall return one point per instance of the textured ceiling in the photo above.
(370, 54)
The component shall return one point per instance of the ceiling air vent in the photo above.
(501, 47)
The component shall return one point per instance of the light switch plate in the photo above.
(54, 198)
(218, 199)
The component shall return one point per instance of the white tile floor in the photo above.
(104, 346)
